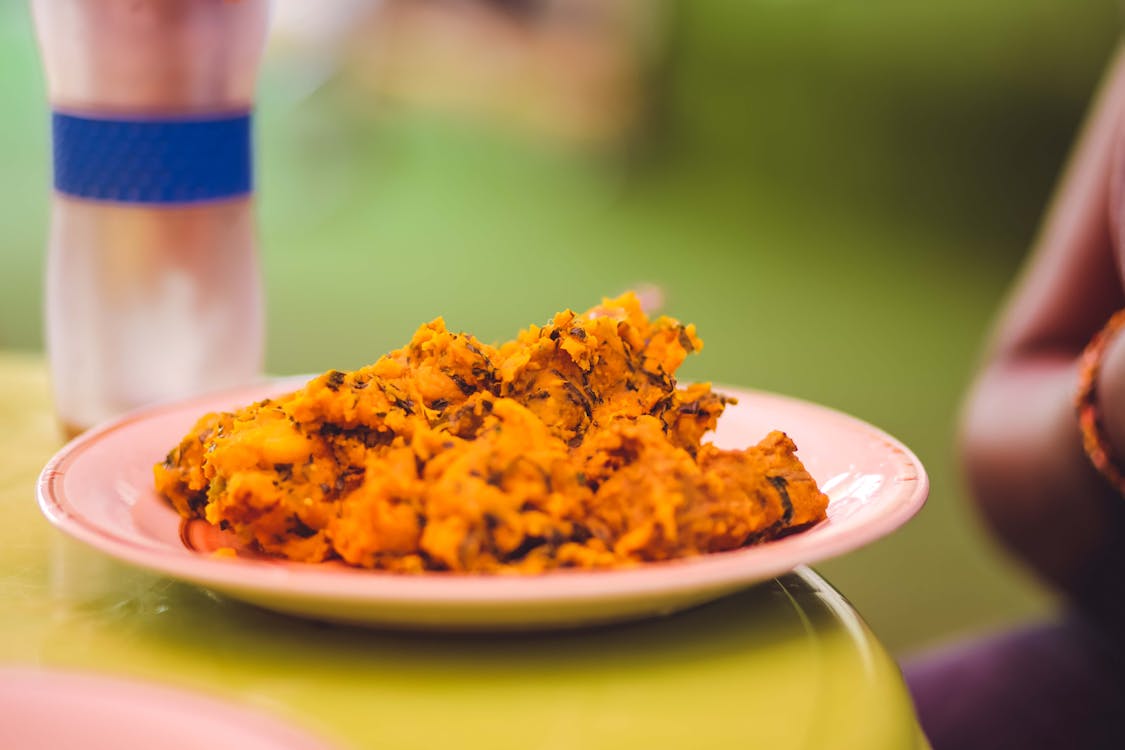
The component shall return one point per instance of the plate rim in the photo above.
(312, 582)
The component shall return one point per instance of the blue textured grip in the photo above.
(183, 160)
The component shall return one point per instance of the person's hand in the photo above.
(1020, 440)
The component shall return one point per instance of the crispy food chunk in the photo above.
(570, 446)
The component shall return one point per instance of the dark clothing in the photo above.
(1058, 685)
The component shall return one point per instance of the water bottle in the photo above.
(153, 281)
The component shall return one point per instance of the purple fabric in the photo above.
(1057, 685)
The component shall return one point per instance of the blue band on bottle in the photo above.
(166, 161)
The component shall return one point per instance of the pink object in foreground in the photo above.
(99, 490)
(48, 710)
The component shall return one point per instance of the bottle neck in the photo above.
(157, 57)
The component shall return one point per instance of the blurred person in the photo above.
(573, 71)
(1043, 448)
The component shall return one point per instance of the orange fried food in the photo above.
(570, 446)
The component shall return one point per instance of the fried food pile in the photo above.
(569, 447)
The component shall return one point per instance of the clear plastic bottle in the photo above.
(153, 281)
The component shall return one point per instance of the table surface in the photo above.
(785, 664)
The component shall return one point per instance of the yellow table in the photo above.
(787, 664)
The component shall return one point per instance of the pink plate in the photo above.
(46, 710)
(98, 489)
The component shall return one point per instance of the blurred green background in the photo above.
(838, 192)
